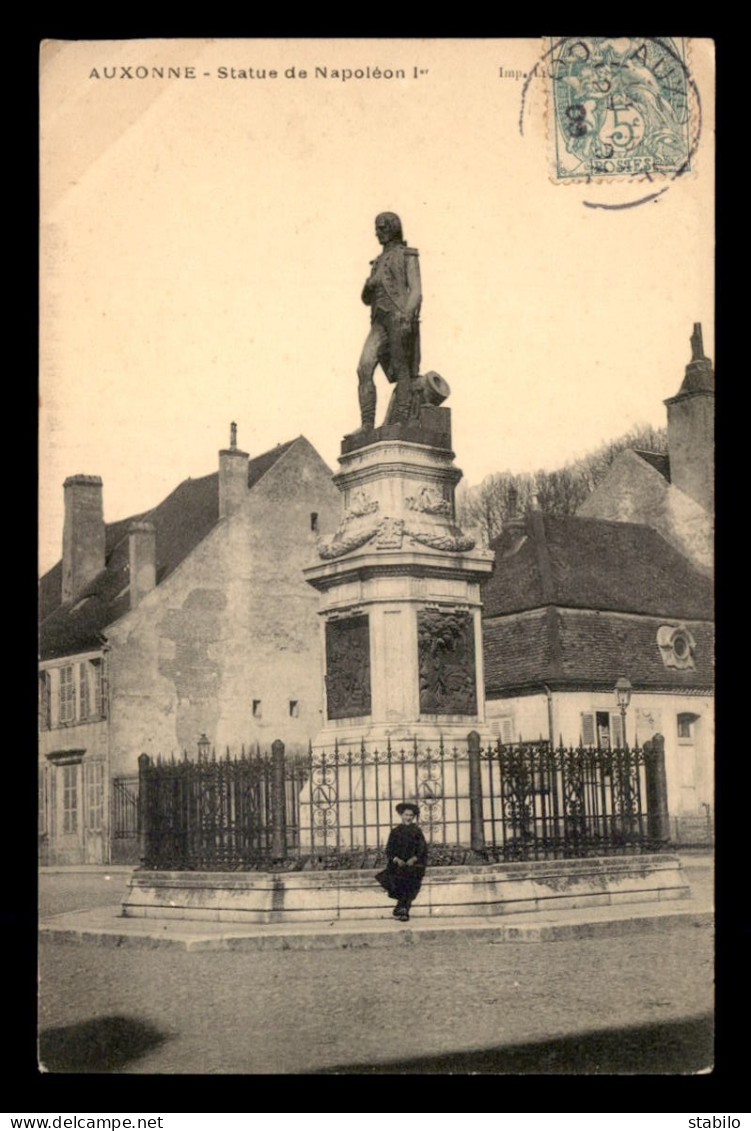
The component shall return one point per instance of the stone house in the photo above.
(674, 492)
(186, 620)
(576, 603)
(623, 589)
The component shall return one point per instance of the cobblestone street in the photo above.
(289, 1012)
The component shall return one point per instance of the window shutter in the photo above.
(83, 691)
(45, 701)
(52, 803)
(616, 731)
(67, 695)
(101, 692)
(588, 730)
(43, 801)
(507, 731)
(94, 793)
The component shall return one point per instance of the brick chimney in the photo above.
(691, 428)
(233, 476)
(83, 533)
(142, 554)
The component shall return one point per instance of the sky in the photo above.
(205, 241)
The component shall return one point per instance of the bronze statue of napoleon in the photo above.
(394, 294)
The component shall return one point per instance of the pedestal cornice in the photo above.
(467, 567)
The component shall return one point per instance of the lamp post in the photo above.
(623, 691)
(203, 747)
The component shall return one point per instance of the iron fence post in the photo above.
(278, 813)
(658, 817)
(144, 832)
(476, 822)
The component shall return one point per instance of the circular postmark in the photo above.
(619, 109)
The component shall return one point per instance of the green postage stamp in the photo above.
(622, 107)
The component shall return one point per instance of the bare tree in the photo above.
(503, 495)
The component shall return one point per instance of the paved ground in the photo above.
(79, 889)
(286, 1011)
(638, 1002)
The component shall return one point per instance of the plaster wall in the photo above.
(634, 491)
(689, 760)
(227, 646)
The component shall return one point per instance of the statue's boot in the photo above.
(401, 400)
(367, 397)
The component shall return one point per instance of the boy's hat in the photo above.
(404, 805)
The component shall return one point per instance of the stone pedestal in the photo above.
(489, 890)
(400, 585)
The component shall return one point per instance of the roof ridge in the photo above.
(286, 446)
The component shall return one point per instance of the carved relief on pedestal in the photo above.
(450, 539)
(429, 501)
(352, 531)
(432, 530)
(343, 543)
(348, 667)
(360, 504)
(390, 533)
(426, 516)
(446, 658)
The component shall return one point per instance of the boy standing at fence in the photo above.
(407, 856)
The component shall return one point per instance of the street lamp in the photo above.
(623, 691)
(203, 747)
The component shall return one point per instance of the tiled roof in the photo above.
(182, 520)
(591, 563)
(517, 651)
(588, 648)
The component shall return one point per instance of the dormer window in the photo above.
(677, 646)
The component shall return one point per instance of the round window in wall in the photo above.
(680, 646)
(676, 645)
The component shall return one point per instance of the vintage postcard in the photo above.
(375, 553)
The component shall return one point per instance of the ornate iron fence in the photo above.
(210, 815)
(124, 813)
(571, 801)
(124, 845)
(335, 808)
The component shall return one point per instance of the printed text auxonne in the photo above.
(340, 74)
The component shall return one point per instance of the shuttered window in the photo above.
(67, 695)
(70, 799)
(601, 729)
(506, 730)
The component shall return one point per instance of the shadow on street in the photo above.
(681, 1047)
(101, 1045)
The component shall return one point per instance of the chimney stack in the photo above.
(691, 428)
(233, 476)
(83, 533)
(142, 554)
